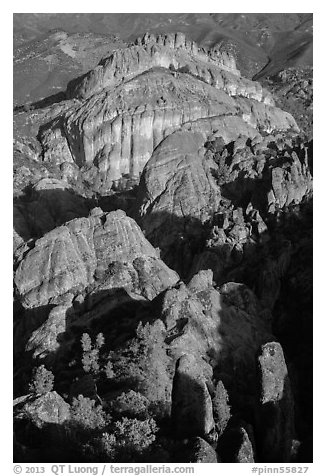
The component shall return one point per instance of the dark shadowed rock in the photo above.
(48, 204)
(201, 322)
(85, 386)
(275, 413)
(199, 451)
(192, 412)
(177, 191)
(235, 446)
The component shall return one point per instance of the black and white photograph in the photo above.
(162, 239)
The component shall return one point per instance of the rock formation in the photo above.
(49, 408)
(162, 228)
(275, 413)
(200, 451)
(192, 411)
(141, 94)
(230, 187)
(235, 445)
(74, 256)
(104, 258)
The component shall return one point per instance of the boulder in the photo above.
(46, 339)
(49, 408)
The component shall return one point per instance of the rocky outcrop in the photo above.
(79, 273)
(233, 188)
(276, 412)
(189, 335)
(292, 89)
(49, 408)
(199, 309)
(176, 184)
(141, 94)
(170, 51)
(39, 426)
(45, 339)
(203, 325)
(78, 254)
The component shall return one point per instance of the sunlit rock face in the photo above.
(169, 51)
(79, 253)
(122, 110)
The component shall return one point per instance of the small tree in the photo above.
(107, 446)
(100, 341)
(221, 408)
(108, 369)
(90, 358)
(42, 381)
(86, 342)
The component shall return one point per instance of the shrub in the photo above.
(42, 381)
(107, 447)
(128, 440)
(134, 437)
(132, 404)
(85, 414)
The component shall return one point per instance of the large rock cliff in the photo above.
(121, 111)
